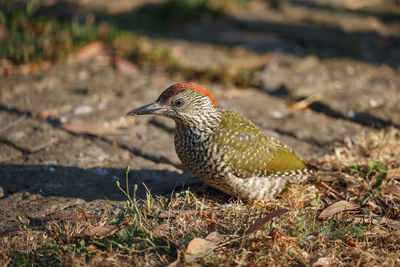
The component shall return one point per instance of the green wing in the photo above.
(250, 151)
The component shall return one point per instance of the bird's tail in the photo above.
(312, 173)
(318, 174)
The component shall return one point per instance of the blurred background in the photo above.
(314, 73)
(162, 32)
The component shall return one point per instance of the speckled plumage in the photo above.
(225, 149)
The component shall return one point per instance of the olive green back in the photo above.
(250, 151)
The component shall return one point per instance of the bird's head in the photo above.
(182, 102)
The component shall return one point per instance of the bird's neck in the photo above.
(200, 127)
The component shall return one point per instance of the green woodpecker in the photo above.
(223, 148)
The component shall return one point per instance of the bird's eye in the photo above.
(179, 102)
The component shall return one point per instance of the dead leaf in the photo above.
(199, 247)
(339, 206)
(395, 224)
(101, 230)
(394, 190)
(87, 52)
(174, 213)
(261, 221)
(127, 67)
(91, 249)
(91, 128)
(44, 114)
(393, 173)
(322, 261)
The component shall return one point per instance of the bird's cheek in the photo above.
(168, 113)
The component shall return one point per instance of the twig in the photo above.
(228, 242)
(305, 103)
(331, 189)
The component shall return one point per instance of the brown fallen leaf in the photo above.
(339, 206)
(261, 221)
(101, 230)
(393, 173)
(127, 67)
(91, 128)
(394, 190)
(87, 52)
(199, 247)
(322, 261)
(395, 224)
(174, 213)
(92, 249)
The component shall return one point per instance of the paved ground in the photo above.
(346, 57)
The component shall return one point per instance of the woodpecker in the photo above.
(225, 149)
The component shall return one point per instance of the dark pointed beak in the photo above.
(153, 108)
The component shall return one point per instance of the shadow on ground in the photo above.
(87, 184)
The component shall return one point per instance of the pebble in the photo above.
(82, 110)
(98, 171)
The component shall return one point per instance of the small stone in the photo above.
(96, 152)
(276, 114)
(98, 171)
(48, 168)
(63, 119)
(15, 136)
(83, 110)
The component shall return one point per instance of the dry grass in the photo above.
(157, 230)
